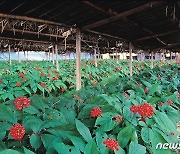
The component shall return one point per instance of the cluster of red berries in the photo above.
(159, 77)
(169, 102)
(43, 84)
(1, 81)
(160, 103)
(71, 84)
(17, 132)
(146, 90)
(63, 89)
(75, 96)
(42, 74)
(96, 112)
(111, 144)
(22, 102)
(179, 95)
(134, 109)
(145, 109)
(18, 84)
(117, 118)
(21, 74)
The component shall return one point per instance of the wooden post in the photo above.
(151, 59)
(74, 56)
(170, 57)
(18, 56)
(78, 59)
(130, 58)
(163, 56)
(53, 55)
(9, 54)
(27, 55)
(24, 55)
(49, 55)
(95, 58)
(116, 56)
(178, 57)
(113, 54)
(57, 64)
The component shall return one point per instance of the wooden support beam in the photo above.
(18, 56)
(145, 29)
(156, 35)
(109, 11)
(113, 54)
(118, 16)
(24, 55)
(163, 56)
(10, 16)
(168, 46)
(53, 55)
(9, 51)
(124, 19)
(49, 53)
(34, 33)
(57, 63)
(16, 39)
(95, 58)
(130, 59)
(78, 59)
(103, 34)
(116, 56)
(27, 55)
(152, 59)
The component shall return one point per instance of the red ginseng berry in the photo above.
(146, 90)
(22, 102)
(96, 112)
(160, 103)
(43, 84)
(21, 74)
(111, 144)
(117, 118)
(169, 102)
(134, 109)
(18, 84)
(17, 132)
(146, 110)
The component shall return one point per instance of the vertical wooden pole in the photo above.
(116, 56)
(151, 59)
(170, 57)
(163, 56)
(24, 55)
(57, 64)
(53, 55)
(9, 54)
(27, 55)
(18, 56)
(95, 58)
(178, 57)
(113, 54)
(49, 55)
(74, 56)
(130, 58)
(78, 59)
